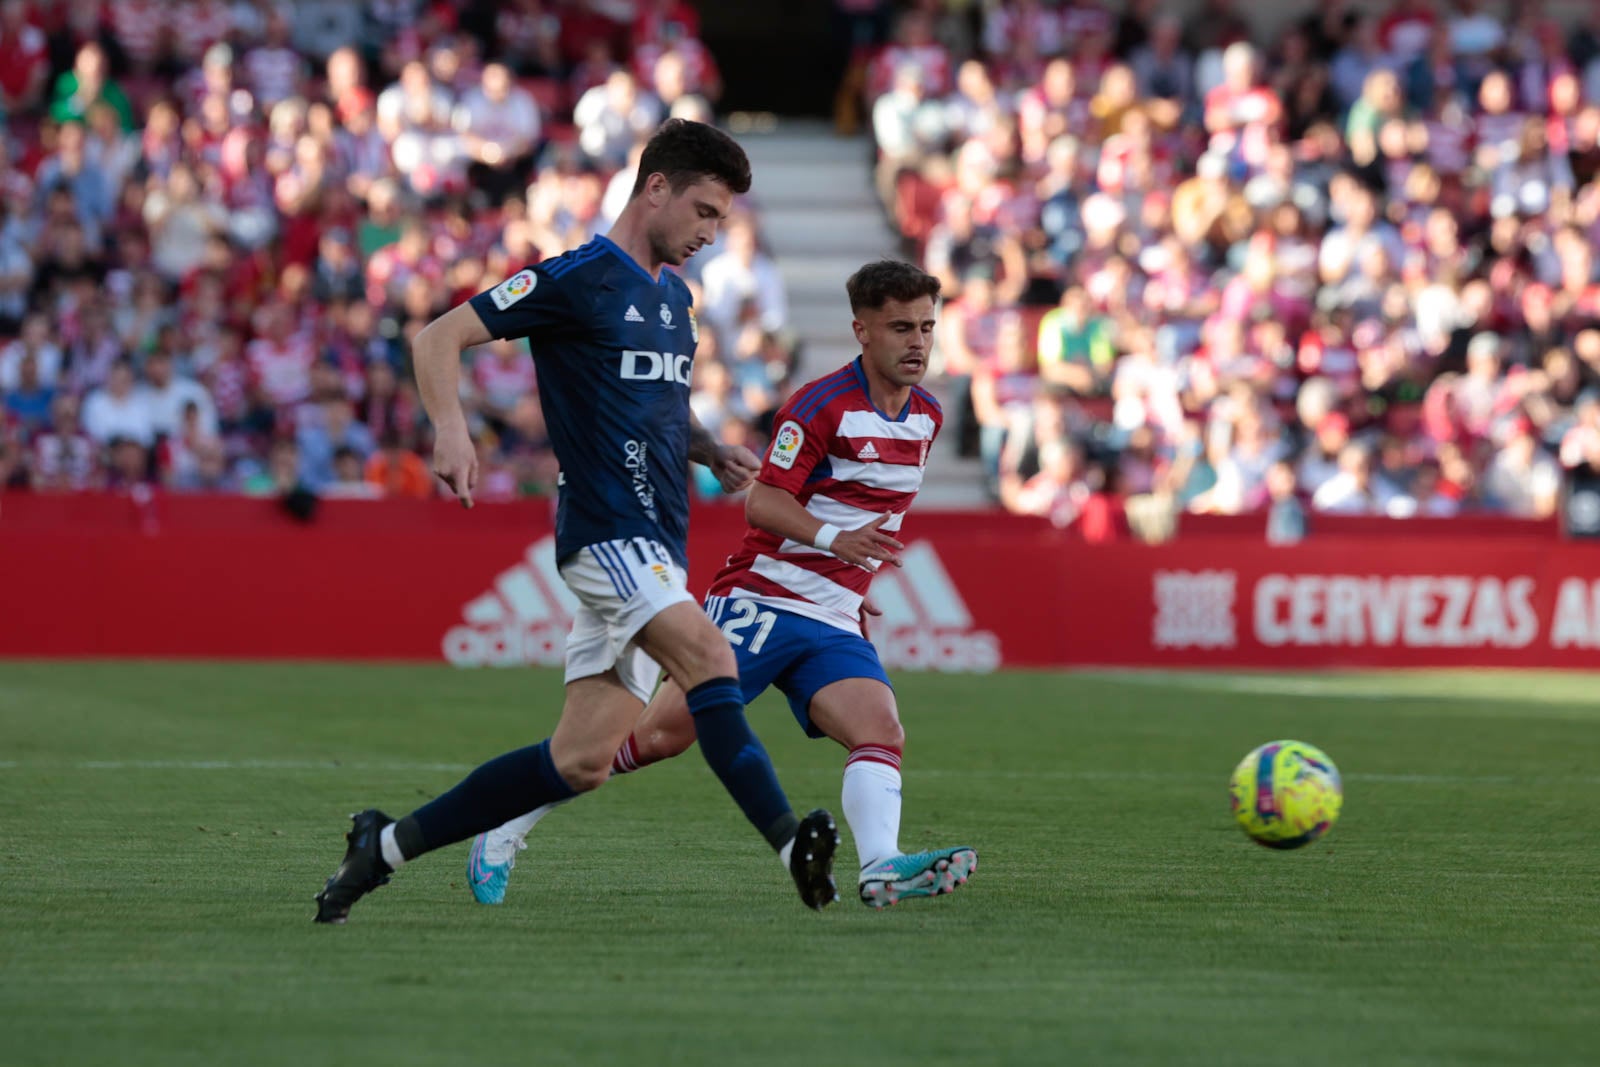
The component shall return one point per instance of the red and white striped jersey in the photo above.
(199, 24)
(139, 26)
(847, 463)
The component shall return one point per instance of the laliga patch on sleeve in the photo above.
(513, 289)
(786, 446)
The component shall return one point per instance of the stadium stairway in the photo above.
(822, 220)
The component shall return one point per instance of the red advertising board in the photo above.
(228, 577)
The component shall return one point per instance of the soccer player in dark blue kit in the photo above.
(613, 337)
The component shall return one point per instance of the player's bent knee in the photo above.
(880, 727)
(856, 712)
(584, 771)
(584, 775)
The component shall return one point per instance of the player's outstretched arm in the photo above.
(777, 511)
(734, 465)
(436, 355)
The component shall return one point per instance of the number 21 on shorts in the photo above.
(741, 613)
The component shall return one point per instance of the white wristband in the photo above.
(825, 536)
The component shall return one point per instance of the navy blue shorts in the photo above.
(798, 655)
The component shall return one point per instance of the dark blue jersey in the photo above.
(613, 348)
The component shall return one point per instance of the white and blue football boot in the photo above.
(489, 864)
(917, 874)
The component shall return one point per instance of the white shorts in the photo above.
(620, 586)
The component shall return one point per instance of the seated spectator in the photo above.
(326, 429)
(1287, 522)
(70, 168)
(1075, 345)
(1161, 66)
(1355, 490)
(28, 401)
(128, 465)
(36, 344)
(502, 377)
(414, 117)
(122, 410)
(1058, 492)
(499, 125)
(280, 476)
(1003, 392)
(1522, 479)
(280, 358)
(273, 70)
(181, 221)
(192, 460)
(1241, 113)
(1320, 461)
(742, 272)
(64, 457)
(172, 395)
(349, 478)
(905, 126)
(611, 117)
(88, 83)
(398, 471)
(915, 47)
(24, 60)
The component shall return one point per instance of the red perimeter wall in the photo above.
(84, 576)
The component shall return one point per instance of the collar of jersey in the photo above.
(617, 251)
(861, 380)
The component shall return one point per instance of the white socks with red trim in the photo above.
(871, 798)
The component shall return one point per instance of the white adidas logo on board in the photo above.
(925, 623)
(522, 620)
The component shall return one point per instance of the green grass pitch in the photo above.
(163, 829)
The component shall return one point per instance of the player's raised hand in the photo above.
(455, 461)
(867, 543)
(735, 467)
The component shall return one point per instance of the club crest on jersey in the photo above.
(513, 289)
(786, 446)
(666, 316)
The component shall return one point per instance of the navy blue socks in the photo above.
(739, 759)
(497, 792)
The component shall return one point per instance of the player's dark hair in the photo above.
(688, 151)
(883, 280)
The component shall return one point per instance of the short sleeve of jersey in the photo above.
(798, 446)
(528, 302)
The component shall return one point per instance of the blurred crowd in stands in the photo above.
(1343, 263)
(1343, 266)
(221, 222)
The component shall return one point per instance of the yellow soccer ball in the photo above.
(1286, 794)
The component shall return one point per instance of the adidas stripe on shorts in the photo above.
(620, 586)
